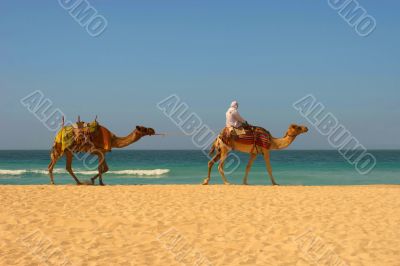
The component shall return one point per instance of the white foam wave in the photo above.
(61, 171)
(154, 172)
(133, 172)
(12, 172)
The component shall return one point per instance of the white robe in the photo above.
(233, 118)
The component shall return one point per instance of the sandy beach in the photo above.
(199, 225)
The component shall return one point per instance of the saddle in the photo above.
(78, 134)
(82, 131)
(247, 135)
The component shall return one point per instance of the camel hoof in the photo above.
(102, 184)
(205, 182)
(245, 183)
(275, 184)
(79, 184)
(227, 183)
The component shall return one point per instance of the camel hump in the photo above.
(261, 129)
(251, 135)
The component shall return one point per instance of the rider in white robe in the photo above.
(233, 118)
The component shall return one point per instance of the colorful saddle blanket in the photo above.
(77, 134)
(256, 136)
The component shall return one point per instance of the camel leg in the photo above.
(224, 155)
(269, 168)
(54, 158)
(210, 166)
(69, 155)
(104, 169)
(248, 167)
(93, 179)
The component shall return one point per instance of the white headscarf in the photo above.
(235, 104)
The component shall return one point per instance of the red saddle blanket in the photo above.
(256, 136)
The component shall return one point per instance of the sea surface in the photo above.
(134, 167)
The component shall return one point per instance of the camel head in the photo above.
(295, 130)
(145, 131)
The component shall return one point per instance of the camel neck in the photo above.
(121, 142)
(282, 143)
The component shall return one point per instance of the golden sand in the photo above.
(199, 225)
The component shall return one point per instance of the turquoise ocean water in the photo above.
(130, 167)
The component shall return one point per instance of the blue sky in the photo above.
(265, 54)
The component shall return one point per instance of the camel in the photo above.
(96, 146)
(222, 150)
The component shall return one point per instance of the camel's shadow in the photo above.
(87, 183)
